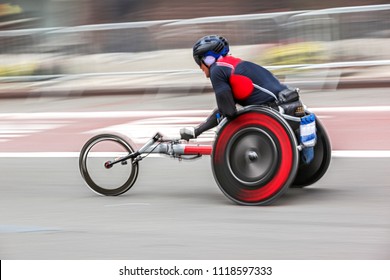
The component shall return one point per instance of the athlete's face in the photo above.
(205, 69)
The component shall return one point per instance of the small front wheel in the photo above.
(103, 179)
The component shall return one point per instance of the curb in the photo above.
(372, 83)
(18, 94)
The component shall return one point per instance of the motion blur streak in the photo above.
(73, 68)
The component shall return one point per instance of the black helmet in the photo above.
(213, 45)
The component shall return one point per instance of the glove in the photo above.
(187, 133)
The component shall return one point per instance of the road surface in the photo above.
(175, 210)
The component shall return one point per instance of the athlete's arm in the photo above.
(226, 105)
(209, 123)
(219, 76)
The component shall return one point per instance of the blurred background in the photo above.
(134, 41)
(69, 58)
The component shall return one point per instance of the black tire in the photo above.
(95, 153)
(310, 173)
(255, 157)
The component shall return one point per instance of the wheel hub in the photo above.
(252, 156)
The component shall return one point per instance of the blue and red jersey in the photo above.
(237, 81)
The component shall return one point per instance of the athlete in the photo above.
(234, 81)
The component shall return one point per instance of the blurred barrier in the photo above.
(145, 36)
(340, 24)
(320, 25)
(345, 34)
(240, 30)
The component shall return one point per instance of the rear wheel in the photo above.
(93, 160)
(255, 157)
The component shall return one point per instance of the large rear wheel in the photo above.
(255, 157)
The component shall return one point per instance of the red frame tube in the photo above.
(198, 149)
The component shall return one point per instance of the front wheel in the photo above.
(94, 155)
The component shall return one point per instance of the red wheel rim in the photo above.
(285, 166)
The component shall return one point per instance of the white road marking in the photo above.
(140, 131)
(361, 154)
(335, 154)
(19, 128)
(145, 124)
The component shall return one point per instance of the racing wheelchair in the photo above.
(255, 157)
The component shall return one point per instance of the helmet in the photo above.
(212, 45)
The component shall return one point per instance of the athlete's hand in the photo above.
(187, 133)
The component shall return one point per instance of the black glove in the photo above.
(187, 133)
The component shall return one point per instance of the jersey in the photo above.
(237, 81)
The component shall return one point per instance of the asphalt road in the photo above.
(176, 211)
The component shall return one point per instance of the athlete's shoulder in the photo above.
(228, 61)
